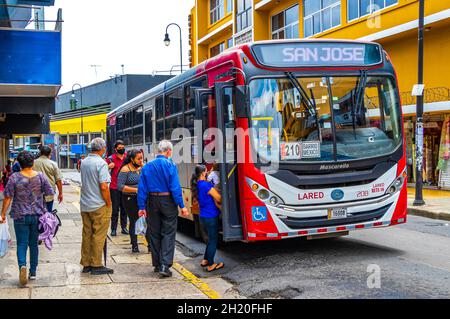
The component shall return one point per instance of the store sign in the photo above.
(317, 54)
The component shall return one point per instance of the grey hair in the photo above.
(164, 146)
(97, 144)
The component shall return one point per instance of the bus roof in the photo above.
(260, 60)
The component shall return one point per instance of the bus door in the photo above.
(226, 122)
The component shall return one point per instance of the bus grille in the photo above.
(361, 217)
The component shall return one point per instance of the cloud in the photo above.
(110, 33)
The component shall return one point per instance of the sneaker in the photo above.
(156, 269)
(125, 231)
(32, 276)
(135, 250)
(113, 233)
(97, 271)
(165, 271)
(23, 276)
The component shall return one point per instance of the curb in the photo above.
(428, 214)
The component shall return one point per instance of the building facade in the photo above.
(216, 25)
(81, 114)
(30, 70)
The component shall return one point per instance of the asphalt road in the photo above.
(413, 262)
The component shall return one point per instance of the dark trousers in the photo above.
(162, 215)
(117, 209)
(27, 235)
(130, 205)
(212, 227)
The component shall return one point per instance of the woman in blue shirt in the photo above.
(208, 199)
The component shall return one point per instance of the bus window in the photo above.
(189, 110)
(148, 126)
(138, 126)
(173, 112)
(159, 119)
(138, 135)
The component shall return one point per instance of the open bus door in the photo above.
(226, 119)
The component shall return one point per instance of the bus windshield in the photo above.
(324, 119)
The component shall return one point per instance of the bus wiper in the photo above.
(312, 107)
(360, 89)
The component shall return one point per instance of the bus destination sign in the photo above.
(318, 54)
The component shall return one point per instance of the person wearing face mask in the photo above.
(127, 183)
(115, 162)
(96, 208)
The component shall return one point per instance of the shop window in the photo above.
(285, 24)
(148, 126)
(95, 135)
(217, 10)
(359, 8)
(217, 49)
(321, 15)
(243, 15)
(63, 139)
(73, 139)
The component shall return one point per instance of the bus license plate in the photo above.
(337, 213)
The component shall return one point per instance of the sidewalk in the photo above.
(437, 204)
(59, 272)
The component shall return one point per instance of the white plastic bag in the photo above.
(5, 239)
(141, 226)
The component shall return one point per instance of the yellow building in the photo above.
(71, 130)
(218, 24)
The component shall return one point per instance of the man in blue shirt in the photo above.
(159, 194)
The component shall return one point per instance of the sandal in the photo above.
(215, 267)
(204, 263)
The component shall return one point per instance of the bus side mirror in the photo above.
(241, 102)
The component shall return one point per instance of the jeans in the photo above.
(212, 227)
(27, 235)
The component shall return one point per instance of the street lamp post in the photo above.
(81, 108)
(167, 43)
(419, 124)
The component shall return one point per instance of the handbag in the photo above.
(54, 212)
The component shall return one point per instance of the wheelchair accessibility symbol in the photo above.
(259, 213)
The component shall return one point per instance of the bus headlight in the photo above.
(273, 200)
(397, 184)
(264, 194)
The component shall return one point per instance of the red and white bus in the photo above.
(332, 116)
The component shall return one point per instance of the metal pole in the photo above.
(181, 44)
(419, 124)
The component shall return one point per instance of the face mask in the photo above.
(136, 164)
(121, 152)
